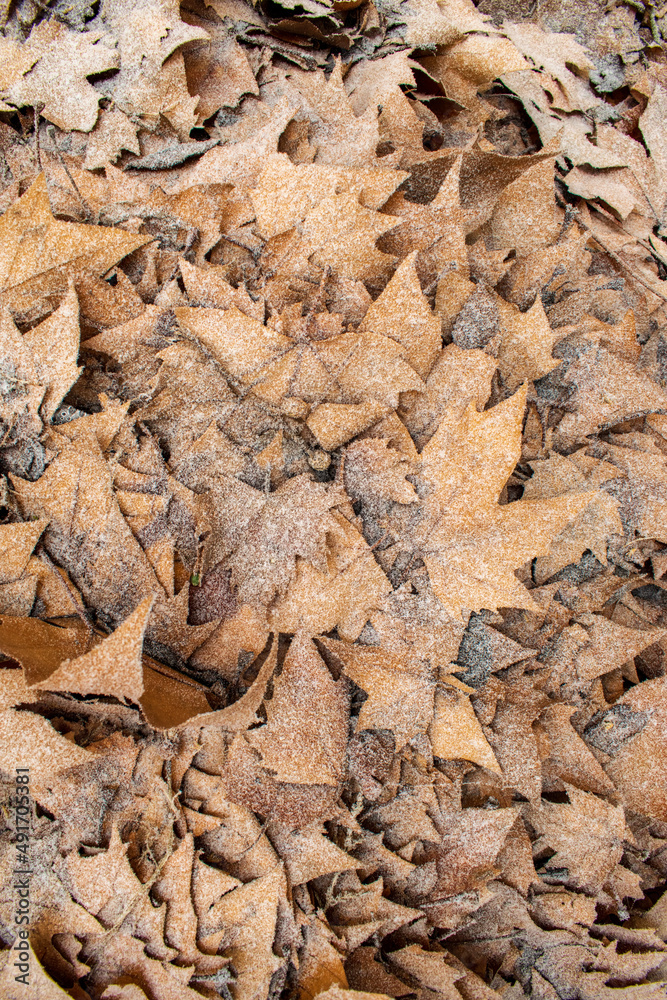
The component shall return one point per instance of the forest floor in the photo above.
(333, 500)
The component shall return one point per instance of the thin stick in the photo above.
(51, 132)
(621, 262)
(37, 152)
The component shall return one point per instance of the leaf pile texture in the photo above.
(333, 498)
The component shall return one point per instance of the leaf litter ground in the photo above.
(333, 538)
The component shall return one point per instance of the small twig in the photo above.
(51, 132)
(38, 157)
(621, 262)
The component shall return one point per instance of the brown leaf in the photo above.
(40, 252)
(16, 544)
(292, 743)
(114, 667)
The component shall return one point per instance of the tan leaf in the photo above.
(40, 252)
(400, 697)
(54, 346)
(402, 313)
(87, 532)
(308, 854)
(586, 834)
(524, 216)
(639, 766)
(343, 595)
(16, 544)
(456, 733)
(248, 917)
(526, 343)
(30, 741)
(152, 79)
(39, 986)
(305, 735)
(461, 508)
(113, 668)
(57, 82)
(113, 133)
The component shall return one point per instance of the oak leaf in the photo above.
(55, 78)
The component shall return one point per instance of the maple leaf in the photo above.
(260, 537)
(586, 834)
(456, 733)
(337, 133)
(343, 596)
(54, 346)
(285, 192)
(114, 667)
(594, 646)
(33, 740)
(607, 389)
(241, 159)
(307, 853)
(591, 528)
(400, 696)
(296, 358)
(460, 511)
(402, 313)
(374, 470)
(639, 760)
(641, 499)
(526, 343)
(248, 916)
(339, 739)
(17, 542)
(39, 252)
(434, 231)
(113, 132)
(217, 71)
